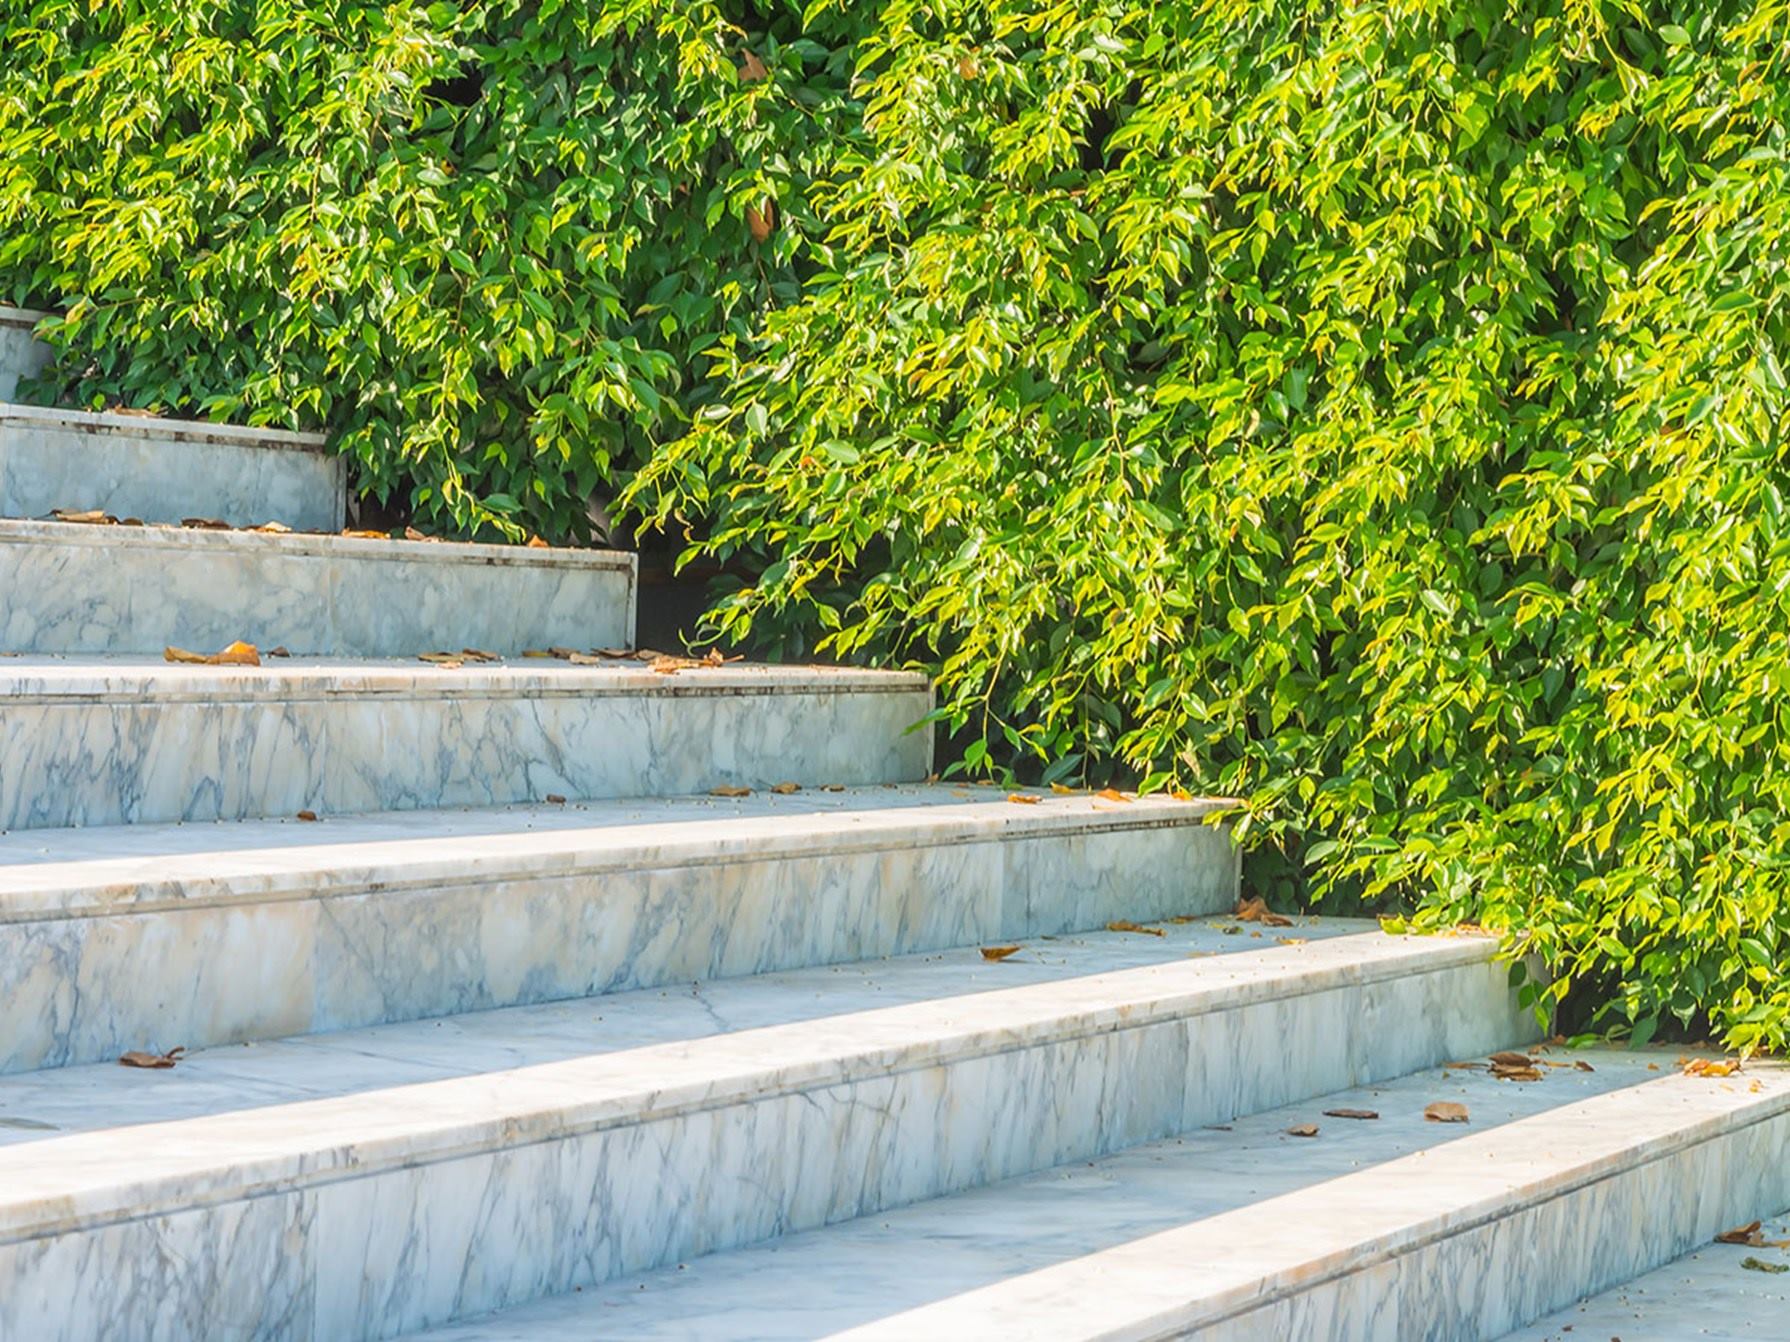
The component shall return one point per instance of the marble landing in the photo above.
(219, 933)
(107, 741)
(22, 355)
(76, 588)
(392, 1178)
(1390, 1228)
(165, 470)
(1707, 1294)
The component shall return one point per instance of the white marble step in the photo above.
(166, 470)
(106, 741)
(358, 1185)
(78, 588)
(1712, 1293)
(118, 937)
(1391, 1228)
(22, 355)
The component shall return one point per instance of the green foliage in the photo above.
(1370, 409)
(484, 244)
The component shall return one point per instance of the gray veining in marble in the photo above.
(163, 470)
(75, 588)
(1709, 1293)
(400, 1207)
(122, 741)
(1395, 1228)
(22, 355)
(213, 934)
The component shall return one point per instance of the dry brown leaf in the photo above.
(1446, 1111)
(664, 664)
(1126, 925)
(536, 543)
(237, 654)
(1254, 909)
(91, 517)
(479, 655)
(450, 660)
(305, 815)
(367, 535)
(272, 529)
(1583, 1066)
(1516, 1073)
(762, 219)
(752, 70)
(1711, 1066)
(554, 799)
(206, 523)
(412, 534)
(281, 651)
(726, 790)
(832, 787)
(1747, 1234)
(1111, 794)
(998, 952)
(1510, 1059)
(786, 789)
(1303, 1130)
(1022, 799)
(157, 1062)
(1351, 1113)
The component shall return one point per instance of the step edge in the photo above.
(340, 872)
(166, 428)
(258, 544)
(316, 1163)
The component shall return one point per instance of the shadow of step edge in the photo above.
(205, 935)
(1372, 1230)
(164, 470)
(358, 1216)
(22, 355)
(74, 588)
(106, 742)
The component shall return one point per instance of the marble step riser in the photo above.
(1522, 1262)
(164, 471)
(21, 354)
(67, 760)
(76, 589)
(212, 967)
(400, 1248)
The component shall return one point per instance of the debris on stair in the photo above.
(1303, 1130)
(237, 654)
(1446, 1111)
(1362, 1114)
(1126, 925)
(1254, 909)
(998, 952)
(153, 1062)
(728, 790)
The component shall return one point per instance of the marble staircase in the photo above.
(517, 996)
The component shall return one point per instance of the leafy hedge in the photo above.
(1373, 410)
(484, 244)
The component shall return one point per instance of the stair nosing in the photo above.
(156, 426)
(287, 1164)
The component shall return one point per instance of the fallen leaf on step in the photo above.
(237, 654)
(664, 664)
(726, 790)
(205, 523)
(1112, 794)
(1711, 1066)
(1746, 1234)
(554, 799)
(152, 1061)
(305, 815)
(90, 517)
(1303, 1130)
(1446, 1111)
(1760, 1265)
(281, 651)
(1516, 1073)
(273, 529)
(368, 535)
(1351, 1113)
(1255, 909)
(447, 659)
(1583, 1066)
(1290, 941)
(1510, 1059)
(998, 952)
(536, 543)
(832, 787)
(412, 534)
(785, 789)
(479, 655)
(1061, 789)
(1126, 925)
(1021, 799)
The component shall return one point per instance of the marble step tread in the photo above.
(217, 933)
(163, 470)
(80, 588)
(1710, 1293)
(1394, 1227)
(399, 1176)
(134, 740)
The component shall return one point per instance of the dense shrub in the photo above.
(1374, 410)
(484, 244)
